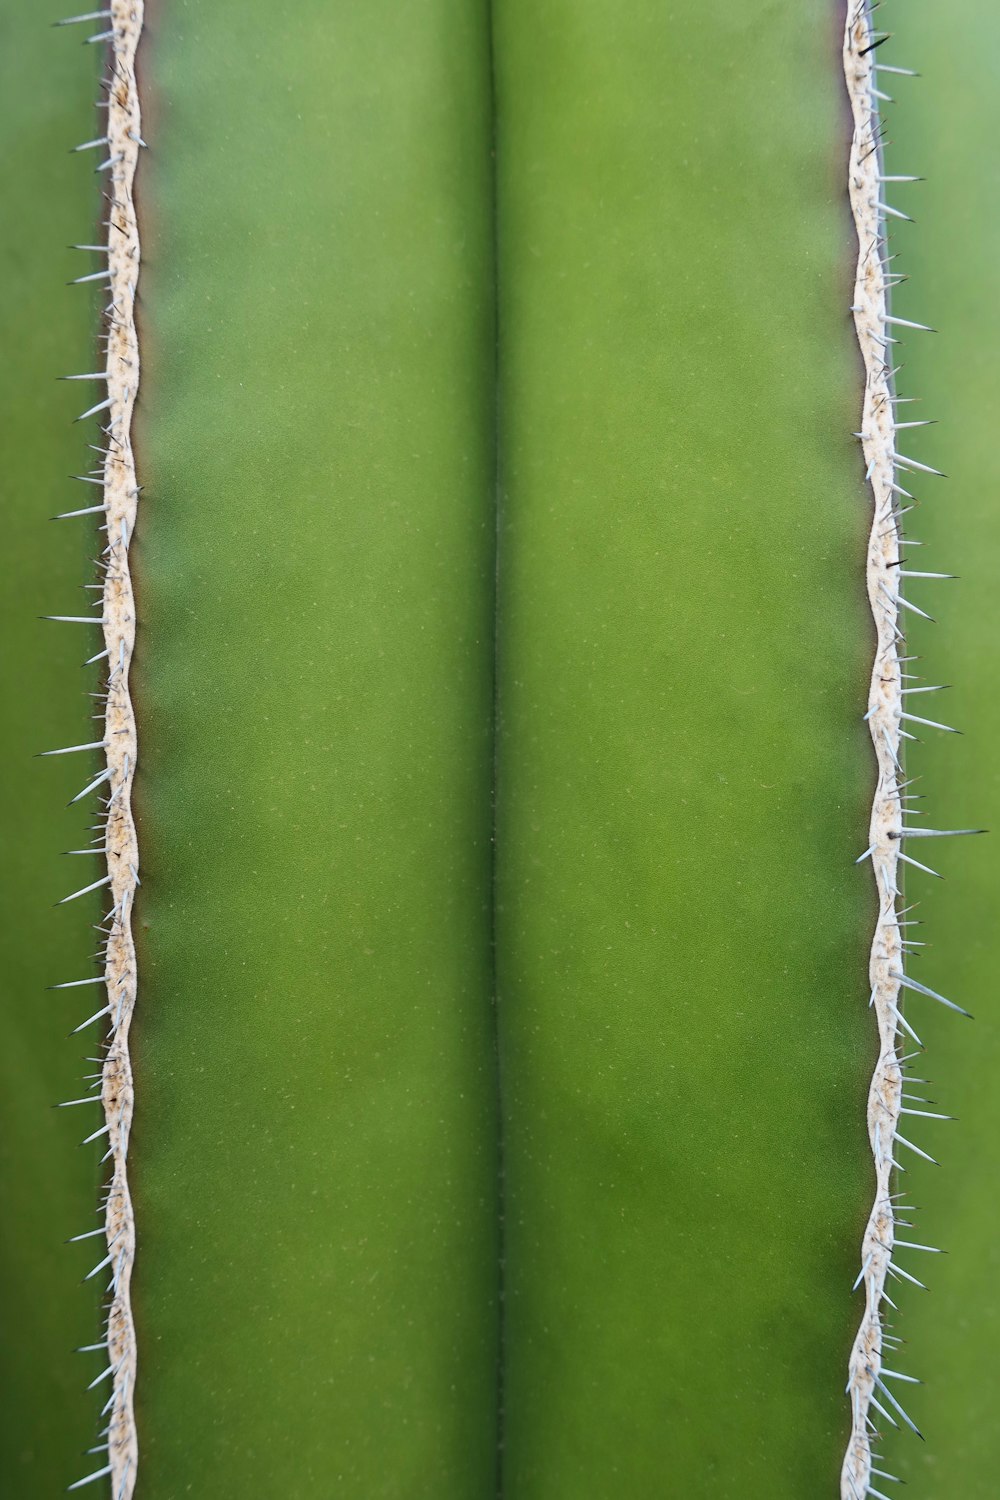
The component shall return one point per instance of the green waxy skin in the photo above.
(939, 128)
(684, 775)
(47, 1184)
(314, 1155)
(390, 814)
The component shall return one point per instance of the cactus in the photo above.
(505, 609)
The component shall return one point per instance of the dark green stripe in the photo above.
(314, 1154)
(48, 1187)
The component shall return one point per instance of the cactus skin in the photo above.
(314, 1155)
(47, 1185)
(940, 126)
(684, 777)
(684, 1188)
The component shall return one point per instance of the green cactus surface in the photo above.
(314, 563)
(940, 125)
(510, 1017)
(47, 1417)
(684, 777)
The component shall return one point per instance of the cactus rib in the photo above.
(870, 310)
(884, 717)
(120, 496)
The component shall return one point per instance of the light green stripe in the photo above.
(685, 778)
(945, 126)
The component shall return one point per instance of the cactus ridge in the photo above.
(886, 716)
(119, 149)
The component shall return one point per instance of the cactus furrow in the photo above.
(885, 718)
(121, 492)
